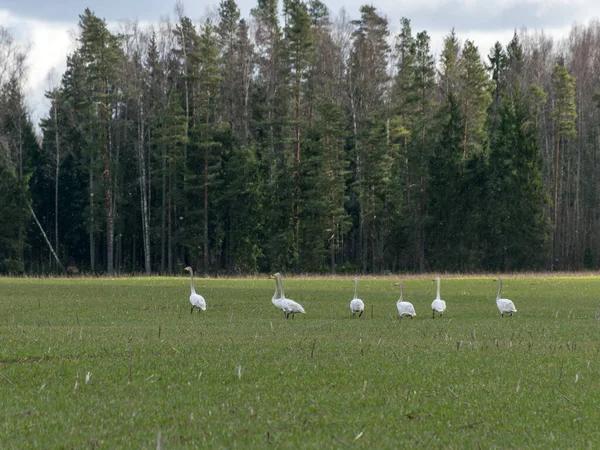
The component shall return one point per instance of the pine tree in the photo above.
(298, 42)
(227, 32)
(244, 63)
(368, 79)
(100, 53)
(474, 97)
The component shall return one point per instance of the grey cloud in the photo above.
(69, 10)
(488, 18)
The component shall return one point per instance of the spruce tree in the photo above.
(444, 216)
(324, 172)
(517, 229)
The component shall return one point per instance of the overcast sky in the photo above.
(46, 26)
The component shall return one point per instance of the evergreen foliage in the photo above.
(296, 140)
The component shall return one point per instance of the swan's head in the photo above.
(188, 268)
(356, 280)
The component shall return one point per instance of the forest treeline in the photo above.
(294, 140)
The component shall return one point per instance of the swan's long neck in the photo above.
(438, 289)
(355, 288)
(281, 287)
(192, 281)
(401, 292)
(499, 289)
(276, 288)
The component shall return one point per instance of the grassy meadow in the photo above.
(113, 363)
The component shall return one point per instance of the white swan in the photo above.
(289, 306)
(196, 300)
(356, 304)
(276, 299)
(404, 308)
(505, 305)
(438, 304)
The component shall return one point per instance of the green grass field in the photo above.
(122, 363)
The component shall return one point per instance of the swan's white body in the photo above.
(438, 305)
(356, 304)
(289, 306)
(196, 300)
(405, 308)
(505, 306)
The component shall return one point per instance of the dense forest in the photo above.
(295, 140)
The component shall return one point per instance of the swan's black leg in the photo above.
(433, 313)
(361, 313)
(192, 310)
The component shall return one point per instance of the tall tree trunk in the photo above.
(555, 212)
(56, 175)
(422, 212)
(144, 192)
(45, 236)
(170, 223)
(163, 213)
(206, 254)
(361, 215)
(108, 201)
(92, 238)
(246, 107)
(332, 240)
(298, 175)
(465, 131)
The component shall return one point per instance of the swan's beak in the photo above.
(271, 277)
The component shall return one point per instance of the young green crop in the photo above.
(122, 362)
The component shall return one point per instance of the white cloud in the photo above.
(485, 40)
(47, 44)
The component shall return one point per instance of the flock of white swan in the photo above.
(357, 306)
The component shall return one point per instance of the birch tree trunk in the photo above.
(143, 191)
